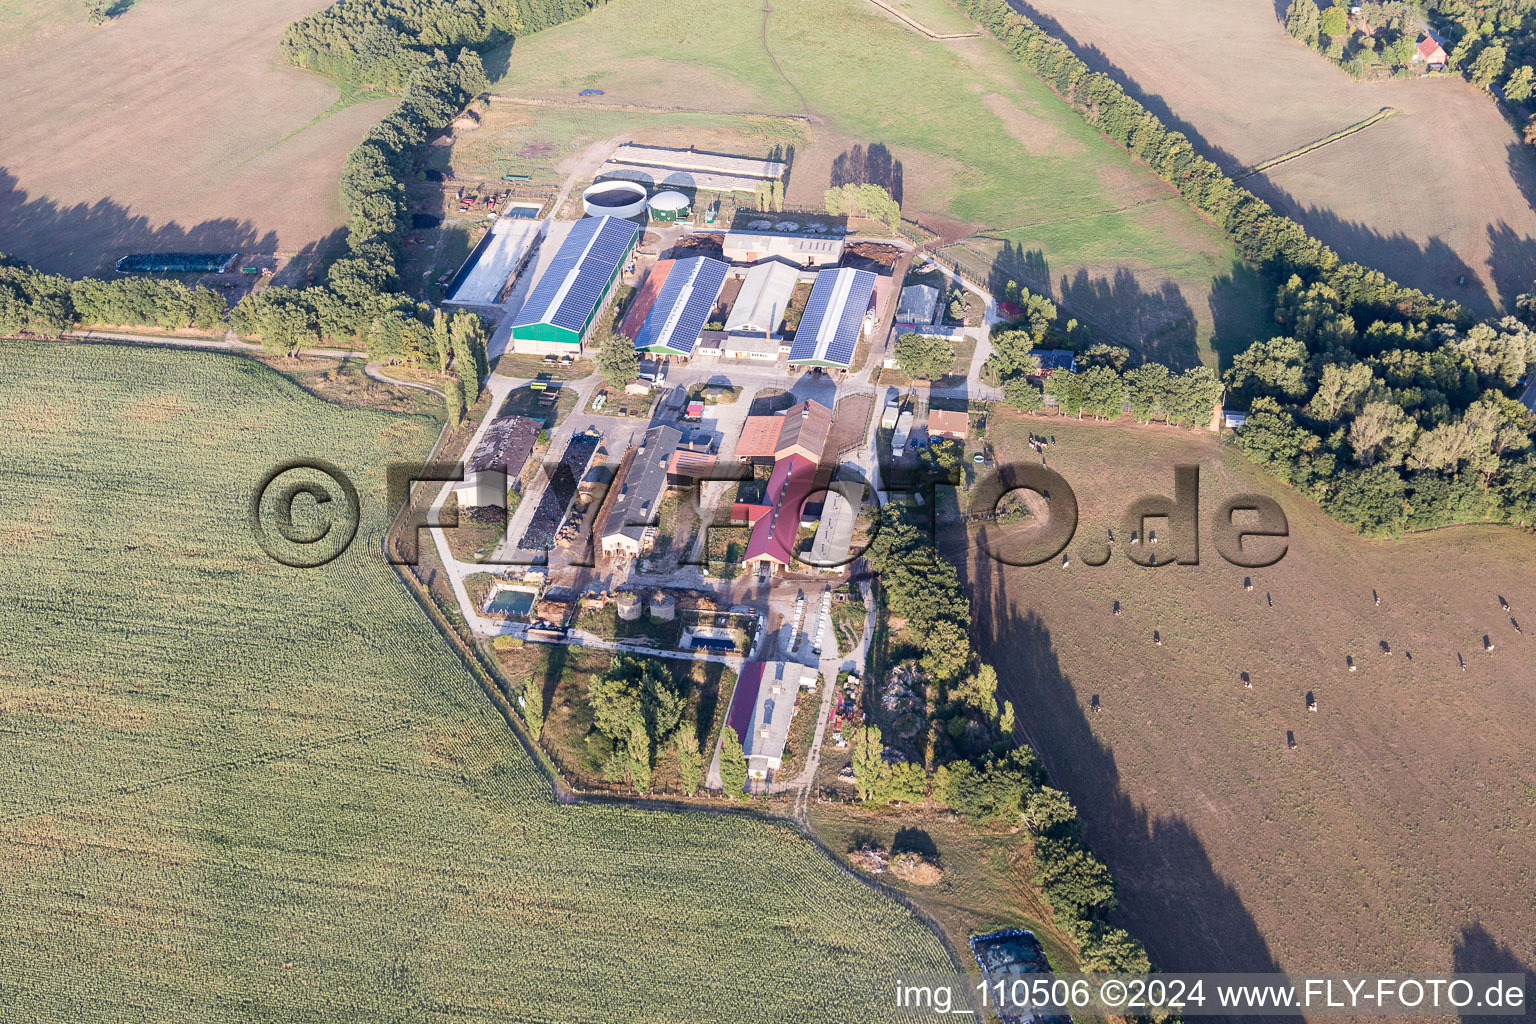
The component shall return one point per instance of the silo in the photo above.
(663, 607)
(628, 603)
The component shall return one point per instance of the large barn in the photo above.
(682, 307)
(575, 287)
(833, 320)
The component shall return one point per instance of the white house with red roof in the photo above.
(1431, 53)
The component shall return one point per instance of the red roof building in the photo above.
(759, 438)
(645, 298)
(773, 535)
(1431, 53)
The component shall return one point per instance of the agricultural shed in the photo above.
(803, 431)
(498, 458)
(640, 492)
(1053, 359)
(759, 438)
(834, 533)
(764, 296)
(833, 320)
(918, 302)
(575, 287)
(682, 307)
(496, 262)
(760, 711)
(804, 249)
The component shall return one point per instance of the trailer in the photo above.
(903, 431)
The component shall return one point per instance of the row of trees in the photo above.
(1149, 391)
(47, 305)
(866, 200)
(1385, 404)
(383, 43)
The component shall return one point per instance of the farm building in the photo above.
(575, 287)
(943, 423)
(761, 709)
(775, 532)
(1431, 54)
(833, 320)
(917, 305)
(669, 206)
(1053, 359)
(807, 250)
(834, 533)
(640, 489)
(499, 458)
(751, 346)
(688, 465)
(764, 296)
(498, 261)
(799, 430)
(682, 307)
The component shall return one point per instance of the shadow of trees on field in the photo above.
(873, 166)
(1171, 896)
(1159, 323)
(85, 239)
(1477, 952)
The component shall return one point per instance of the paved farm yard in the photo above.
(1401, 830)
(233, 784)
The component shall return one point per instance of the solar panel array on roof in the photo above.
(829, 327)
(569, 290)
(683, 307)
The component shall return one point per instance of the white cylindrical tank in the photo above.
(614, 199)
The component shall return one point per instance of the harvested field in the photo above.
(1400, 833)
(1440, 190)
(232, 783)
(983, 146)
(173, 127)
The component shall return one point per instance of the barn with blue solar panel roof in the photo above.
(833, 320)
(578, 283)
(683, 306)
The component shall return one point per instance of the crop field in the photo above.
(1401, 829)
(232, 787)
(172, 127)
(1442, 189)
(986, 150)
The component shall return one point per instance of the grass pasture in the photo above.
(986, 149)
(173, 126)
(1441, 190)
(232, 787)
(1400, 833)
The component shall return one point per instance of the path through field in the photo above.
(1440, 191)
(174, 126)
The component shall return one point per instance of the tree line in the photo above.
(47, 305)
(383, 43)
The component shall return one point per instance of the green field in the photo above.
(985, 147)
(234, 790)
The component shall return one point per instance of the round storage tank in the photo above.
(669, 205)
(628, 603)
(614, 199)
(663, 607)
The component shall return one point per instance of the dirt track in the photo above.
(1439, 191)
